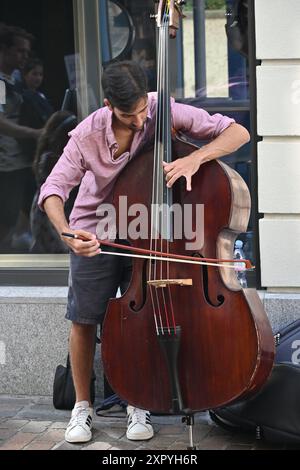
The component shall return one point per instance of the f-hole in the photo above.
(135, 307)
(220, 298)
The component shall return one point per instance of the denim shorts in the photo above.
(92, 282)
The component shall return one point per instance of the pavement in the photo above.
(32, 423)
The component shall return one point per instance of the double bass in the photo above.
(184, 337)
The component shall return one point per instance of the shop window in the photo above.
(216, 77)
(209, 69)
(48, 39)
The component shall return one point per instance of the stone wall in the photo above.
(34, 339)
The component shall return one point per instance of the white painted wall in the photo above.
(279, 177)
(277, 29)
(278, 114)
(280, 249)
(278, 100)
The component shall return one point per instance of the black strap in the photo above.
(68, 362)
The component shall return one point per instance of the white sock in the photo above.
(83, 404)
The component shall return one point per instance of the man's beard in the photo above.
(136, 129)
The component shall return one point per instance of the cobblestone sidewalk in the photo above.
(31, 423)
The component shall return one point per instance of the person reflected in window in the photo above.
(51, 144)
(35, 111)
(36, 108)
(15, 166)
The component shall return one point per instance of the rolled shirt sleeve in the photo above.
(198, 123)
(66, 174)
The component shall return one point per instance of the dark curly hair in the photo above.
(9, 33)
(124, 83)
(53, 139)
(31, 64)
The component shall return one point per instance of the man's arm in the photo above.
(230, 140)
(54, 208)
(11, 129)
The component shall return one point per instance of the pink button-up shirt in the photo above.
(89, 156)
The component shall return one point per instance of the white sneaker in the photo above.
(80, 425)
(139, 424)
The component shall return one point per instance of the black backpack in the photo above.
(287, 342)
(63, 387)
(274, 412)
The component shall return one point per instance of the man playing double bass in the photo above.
(98, 150)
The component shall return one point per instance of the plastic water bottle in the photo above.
(240, 268)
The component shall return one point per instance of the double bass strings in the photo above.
(155, 186)
(161, 195)
(152, 266)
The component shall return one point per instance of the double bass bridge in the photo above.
(160, 283)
